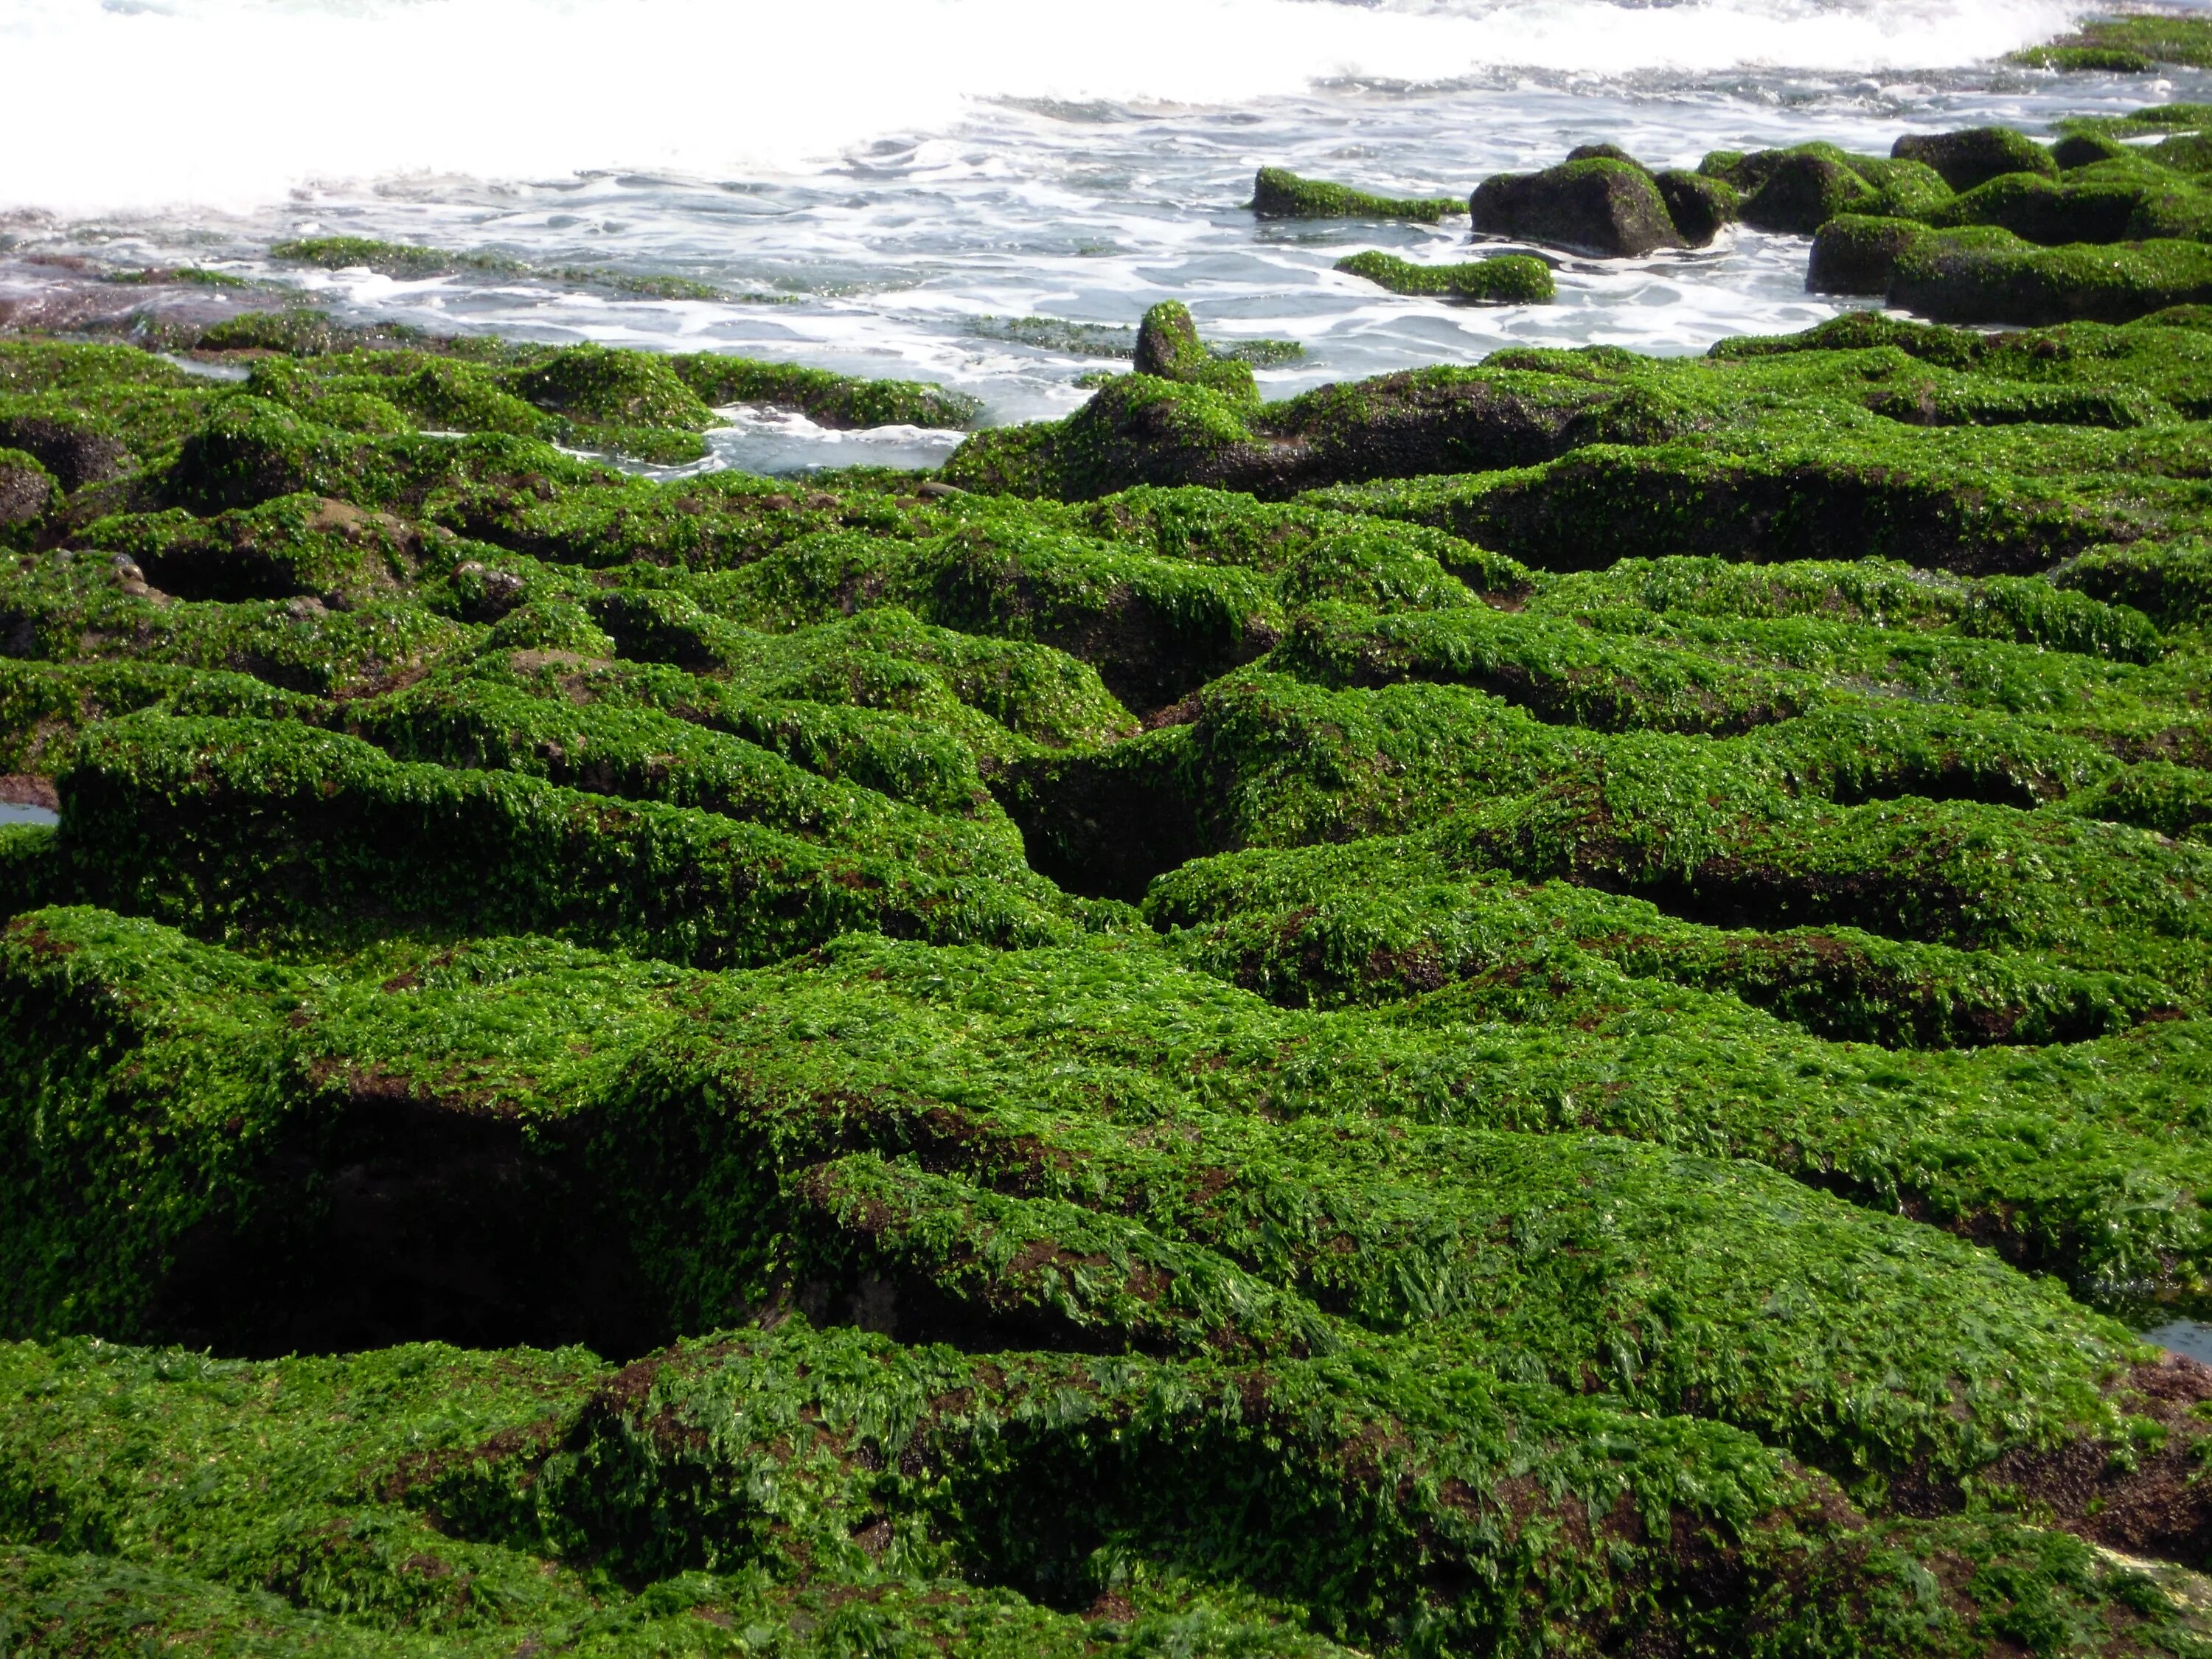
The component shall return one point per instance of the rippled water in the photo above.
(879, 188)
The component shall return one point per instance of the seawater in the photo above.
(881, 185)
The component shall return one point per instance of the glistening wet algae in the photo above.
(1556, 1007)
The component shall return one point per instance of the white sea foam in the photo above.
(229, 103)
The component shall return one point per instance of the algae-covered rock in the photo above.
(1803, 189)
(2126, 46)
(1167, 348)
(1995, 277)
(1278, 193)
(1600, 206)
(1975, 156)
(1700, 207)
(1855, 254)
(1556, 1005)
(1501, 279)
(831, 400)
(27, 491)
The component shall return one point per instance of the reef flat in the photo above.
(1562, 1006)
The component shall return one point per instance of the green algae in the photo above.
(1662, 981)
(1278, 193)
(1510, 279)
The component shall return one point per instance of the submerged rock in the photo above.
(1600, 206)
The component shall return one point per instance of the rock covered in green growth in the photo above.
(1803, 189)
(1701, 207)
(1140, 431)
(390, 258)
(1986, 274)
(1278, 194)
(1995, 277)
(407, 259)
(1798, 189)
(1168, 348)
(2098, 203)
(830, 400)
(2126, 44)
(2170, 582)
(1859, 331)
(28, 493)
(2081, 149)
(1501, 279)
(1975, 156)
(1600, 206)
(614, 388)
(1183, 1237)
(77, 448)
(293, 545)
(339, 836)
(1381, 921)
(427, 1506)
(2174, 801)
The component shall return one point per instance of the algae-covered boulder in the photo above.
(1701, 207)
(1803, 189)
(1611, 208)
(1985, 274)
(1856, 253)
(830, 400)
(1975, 156)
(613, 388)
(1502, 279)
(1992, 277)
(2126, 44)
(2081, 149)
(1167, 348)
(1278, 194)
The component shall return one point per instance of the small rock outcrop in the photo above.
(1278, 194)
(1168, 348)
(1598, 205)
(1975, 156)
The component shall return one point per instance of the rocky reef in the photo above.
(1556, 1007)
(1986, 226)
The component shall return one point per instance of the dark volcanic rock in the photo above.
(1600, 205)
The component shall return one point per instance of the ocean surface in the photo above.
(906, 188)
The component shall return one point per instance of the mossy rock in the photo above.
(1560, 1004)
(1600, 206)
(613, 388)
(1976, 155)
(1501, 279)
(1278, 193)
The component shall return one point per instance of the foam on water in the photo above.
(229, 103)
(870, 182)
